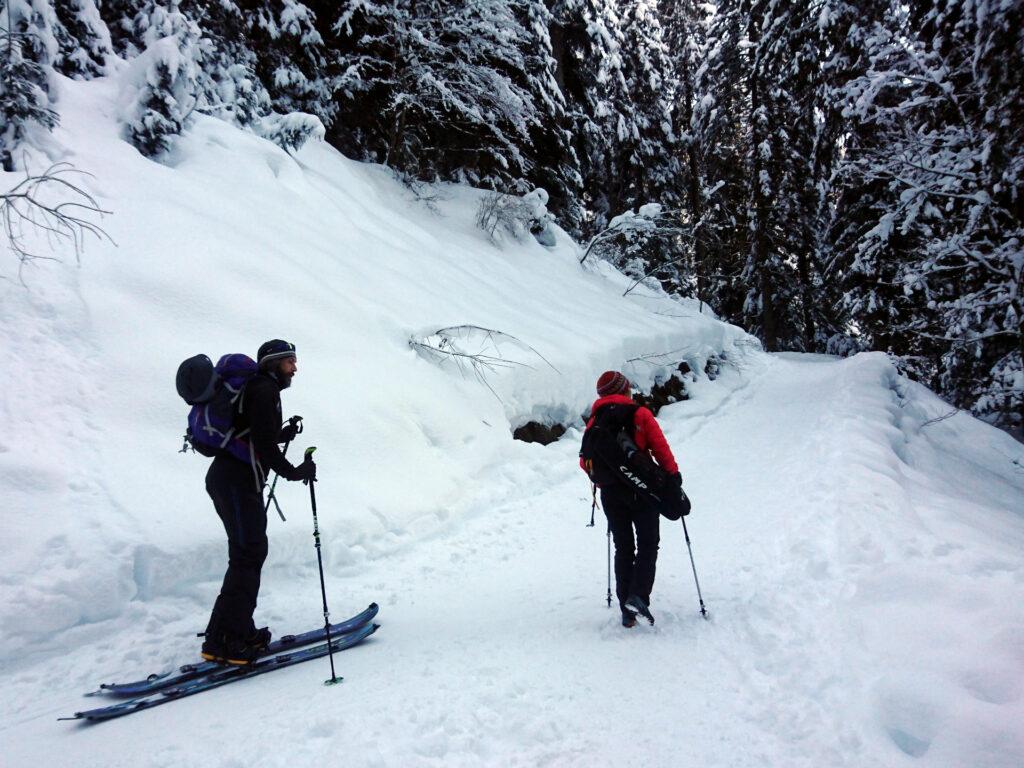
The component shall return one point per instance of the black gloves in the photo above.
(305, 472)
(680, 502)
(290, 430)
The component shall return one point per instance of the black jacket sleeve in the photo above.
(263, 407)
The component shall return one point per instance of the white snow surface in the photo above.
(859, 544)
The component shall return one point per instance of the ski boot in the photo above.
(639, 605)
(259, 639)
(229, 649)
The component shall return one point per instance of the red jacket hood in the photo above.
(609, 399)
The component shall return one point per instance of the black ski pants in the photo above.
(635, 558)
(232, 486)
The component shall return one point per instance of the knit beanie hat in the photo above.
(275, 349)
(612, 383)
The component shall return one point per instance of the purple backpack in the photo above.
(215, 394)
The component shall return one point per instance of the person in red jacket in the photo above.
(635, 558)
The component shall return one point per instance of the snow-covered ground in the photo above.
(861, 555)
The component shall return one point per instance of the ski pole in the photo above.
(686, 533)
(593, 504)
(294, 420)
(609, 564)
(320, 563)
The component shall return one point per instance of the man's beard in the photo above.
(282, 378)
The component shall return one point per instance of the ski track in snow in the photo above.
(858, 619)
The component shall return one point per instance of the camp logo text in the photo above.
(632, 478)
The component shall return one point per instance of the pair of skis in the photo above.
(190, 679)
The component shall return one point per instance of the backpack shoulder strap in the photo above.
(256, 381)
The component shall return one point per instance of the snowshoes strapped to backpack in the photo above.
(611, 457)
(214, 392)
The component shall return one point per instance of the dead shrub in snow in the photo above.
(480, 351)
(53, 205)
(500, 213)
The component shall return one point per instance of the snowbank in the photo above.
(233, 242)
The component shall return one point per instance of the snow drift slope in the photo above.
(234, 243)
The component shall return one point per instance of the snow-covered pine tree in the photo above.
(719, 134)
(496, 109)
(752, 144)
(29, 48)
(231, 88)
(368, 47)
(291, 58)
(940, 105)
(581, 46)
(843, 28)
(783, 304)
(613, 67)
(636, 243)
(763, 272)
(869, 253)
(434, 94)
(634, 120)
(640, 112)
(23, 99)
(684, 23)
(233, 81)
(789, 62)
(290, 131)
(166, 78)
(555, 166)
(83, 38)
(119, 18)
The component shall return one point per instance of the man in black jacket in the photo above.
(236, 488)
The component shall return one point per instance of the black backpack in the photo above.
(611, 457)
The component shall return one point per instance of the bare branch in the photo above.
(475, 348)
(943, 417)
(35, 203)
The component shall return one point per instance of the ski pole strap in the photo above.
(277, 506)
(593, 503)
(271, 497)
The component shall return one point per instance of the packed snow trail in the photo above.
(863, 571)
